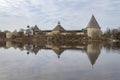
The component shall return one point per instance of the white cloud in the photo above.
(74, 14)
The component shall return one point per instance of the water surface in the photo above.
(83, 62)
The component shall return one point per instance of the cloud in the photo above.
(74, 14)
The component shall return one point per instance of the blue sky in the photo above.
(73, 14)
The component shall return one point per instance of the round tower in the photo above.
(93, 28)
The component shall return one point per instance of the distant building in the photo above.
(9, 35)
(93, 28)
(58, 29)
(32, 31)
(28, 32)
(36, 30)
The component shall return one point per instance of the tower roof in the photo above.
(59, 27)
(93, 23)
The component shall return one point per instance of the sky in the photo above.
(73, 14)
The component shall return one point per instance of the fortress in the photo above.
(92, 30)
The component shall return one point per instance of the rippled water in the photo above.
(94, 62)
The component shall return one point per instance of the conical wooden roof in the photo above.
(58, 28)
(93, 23)
(35, 28)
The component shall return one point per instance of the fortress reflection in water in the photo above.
(92, 50)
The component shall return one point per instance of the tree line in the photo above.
(112, 34)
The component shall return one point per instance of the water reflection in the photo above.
(38, 61)
(92, 50)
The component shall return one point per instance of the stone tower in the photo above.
(93, 28)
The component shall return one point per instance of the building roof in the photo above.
(93, 23)
(35, 28)
(59, 28)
